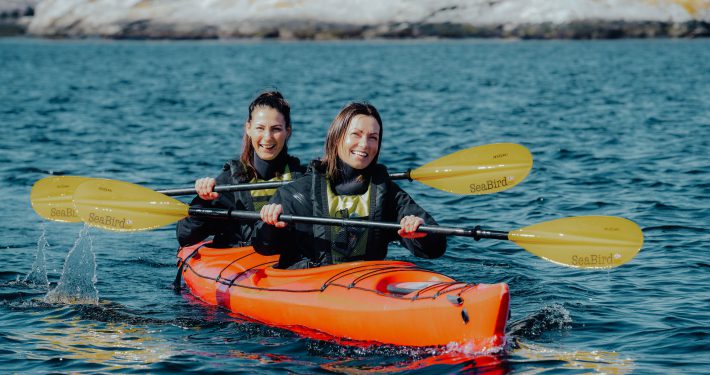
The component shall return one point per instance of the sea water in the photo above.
(617, 128)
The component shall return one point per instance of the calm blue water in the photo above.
(616, 128)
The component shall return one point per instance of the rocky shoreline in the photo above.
(572, 30)
(15, 22)
(11, 29)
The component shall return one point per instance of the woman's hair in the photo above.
(271, 99)
(338, 130)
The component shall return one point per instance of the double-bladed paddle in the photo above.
(585, 242)
(476, 170)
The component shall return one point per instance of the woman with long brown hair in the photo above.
(264, 157)
(346, 183)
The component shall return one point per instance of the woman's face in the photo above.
(361, 142)
(268, 132)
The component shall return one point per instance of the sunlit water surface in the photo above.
(616, 128)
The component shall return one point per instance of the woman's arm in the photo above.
(430, 246)
(192, 230)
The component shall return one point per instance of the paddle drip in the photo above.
(77, 283)
(38, 274)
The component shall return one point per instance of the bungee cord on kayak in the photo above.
(360, 274)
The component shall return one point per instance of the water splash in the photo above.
(549, 318)
(38, 275)
(77, 283)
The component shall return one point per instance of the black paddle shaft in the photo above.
(220, 213)
(222, 188)
(259, 185)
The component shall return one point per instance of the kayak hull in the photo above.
(389, 302)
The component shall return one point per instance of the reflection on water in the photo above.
(115, 346)
(529, 356)
(441, 363)
(261, 358)
(356, 357)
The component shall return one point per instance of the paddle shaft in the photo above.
(584, 242)
(259, 186)
(221, 213)
(223, 188)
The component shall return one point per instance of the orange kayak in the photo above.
(389, 302)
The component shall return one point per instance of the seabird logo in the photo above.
(62, 212)
(108, 221)
(488, 185)
(596, 259)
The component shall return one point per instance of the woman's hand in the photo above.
(410, 224)
(204, 188)
(270, 215)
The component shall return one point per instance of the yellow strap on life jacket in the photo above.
(356, 205)
(262, 197)
(351, 242)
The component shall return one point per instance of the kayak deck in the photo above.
(390, 302)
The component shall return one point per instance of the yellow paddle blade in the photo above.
(477, 170)
(583, 241)
(125, 207)
(51, 197)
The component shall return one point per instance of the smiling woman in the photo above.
(346, 183)
(264, 157)
(268, 133)
(354, 137)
